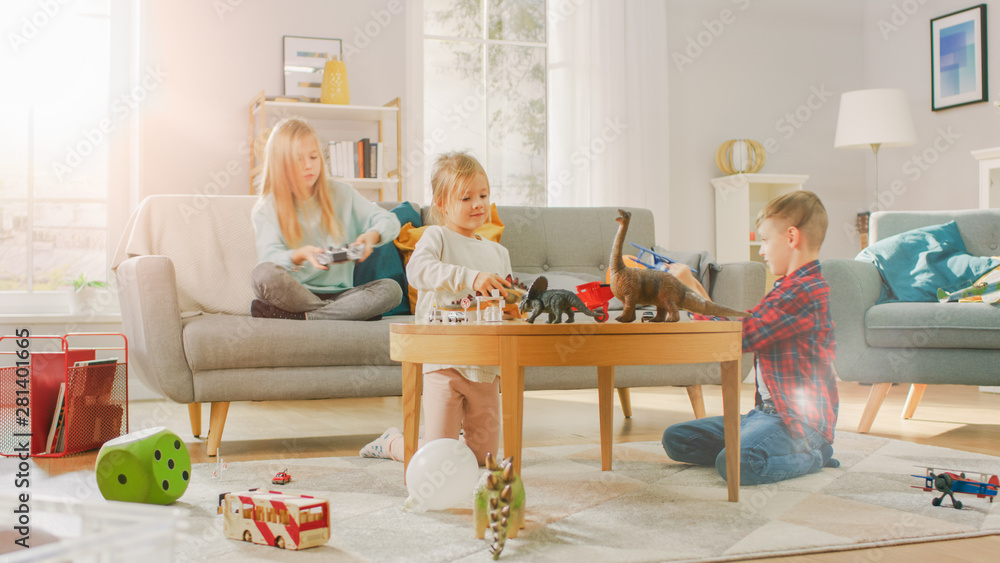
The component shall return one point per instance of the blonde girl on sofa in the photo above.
(301, 213)
(449, 262)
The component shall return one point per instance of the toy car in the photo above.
(281, 478)
(596, 295)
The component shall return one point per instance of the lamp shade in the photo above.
(879, 116)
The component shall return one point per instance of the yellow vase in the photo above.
(335, 88)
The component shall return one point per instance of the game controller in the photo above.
(343, 254)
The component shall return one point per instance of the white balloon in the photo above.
(441, 474)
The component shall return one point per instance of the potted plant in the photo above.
(81, 299)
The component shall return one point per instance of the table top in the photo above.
(584, 327)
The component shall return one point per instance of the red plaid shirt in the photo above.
(792, 334)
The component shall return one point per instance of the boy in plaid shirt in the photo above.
(790, 430)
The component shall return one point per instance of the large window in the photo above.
(485, 91)
(58, 124)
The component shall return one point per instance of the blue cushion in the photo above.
(385, 263)
(914, 264)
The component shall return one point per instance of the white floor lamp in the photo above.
(874, 118)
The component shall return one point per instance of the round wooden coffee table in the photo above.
(512, 345)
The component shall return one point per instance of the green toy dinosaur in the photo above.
(498, 503)
(556, 302)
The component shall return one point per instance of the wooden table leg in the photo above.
(605, 406)
(512, 399)
(731, 424)
(413, 386)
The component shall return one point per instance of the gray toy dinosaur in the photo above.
(555, 302)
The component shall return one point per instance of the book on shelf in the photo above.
(374, 161)
(355, 159)
(58, 420)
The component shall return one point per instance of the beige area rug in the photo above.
(646, 509)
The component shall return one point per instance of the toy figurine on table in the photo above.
(597, 296)
(556, 302)
(655, 261)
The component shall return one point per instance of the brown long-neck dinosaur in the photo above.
(636, 287)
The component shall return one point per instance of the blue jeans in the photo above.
(768, 453)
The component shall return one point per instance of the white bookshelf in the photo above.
(738, 199)
(388, 120)
(989, 177)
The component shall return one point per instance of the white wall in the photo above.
(216, 57)
(938, 172)
(747, 76)
(774, 73)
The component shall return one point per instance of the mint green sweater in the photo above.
(357, 215)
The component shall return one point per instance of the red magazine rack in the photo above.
(70, 409)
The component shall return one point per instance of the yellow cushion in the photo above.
(409, 235)
(630, 262)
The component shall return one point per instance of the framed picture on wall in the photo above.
(304, 59)
(958, 58)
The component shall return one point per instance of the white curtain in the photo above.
(607, 109)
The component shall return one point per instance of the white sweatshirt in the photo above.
(442, 269)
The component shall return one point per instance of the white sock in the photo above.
(379, 447)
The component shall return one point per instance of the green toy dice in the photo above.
(151, 466)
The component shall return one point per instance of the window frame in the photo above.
(484, 41)
(122, 177)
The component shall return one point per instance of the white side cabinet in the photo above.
(738, 199)
(335, 122)
(989, 177)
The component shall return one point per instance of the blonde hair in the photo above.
(281, 157)
(450, 179)
(800, 209)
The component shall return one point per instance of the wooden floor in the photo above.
(956, 417)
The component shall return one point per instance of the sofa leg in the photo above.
(875, 398)
(913, 399)
(194, 411)
(697, 400)
(626, 400)
(216, 421)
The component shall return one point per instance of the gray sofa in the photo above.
(183, 270)
(914, 343)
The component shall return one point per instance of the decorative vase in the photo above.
(740, 156)
(81, 302)
(335, 89)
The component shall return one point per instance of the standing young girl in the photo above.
(448, 263)
(300, 213)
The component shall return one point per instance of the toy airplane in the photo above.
(949, 483)
(990, 293)
(659, 261)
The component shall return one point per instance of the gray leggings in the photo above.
(275, 286)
